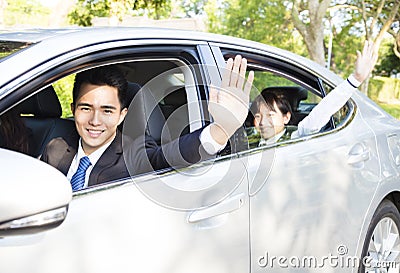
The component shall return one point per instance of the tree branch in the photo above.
(364, 16)
(344, 6)
(376, 16)
(396, 48)
(300, 26)
(389, 21)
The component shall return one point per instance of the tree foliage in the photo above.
(390, 64)
(344, 47)
(24, 12)
(86, 10)
(266, 21)
(193, 8)
(308, 18)
(376, 18)
(395, 32)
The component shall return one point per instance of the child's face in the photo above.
(270, 122)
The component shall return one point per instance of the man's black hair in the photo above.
(104, 75)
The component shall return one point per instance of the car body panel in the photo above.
(303, 212)
(121, 229)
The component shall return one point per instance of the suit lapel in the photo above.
(109, 158)
(72, 142)
(68, 156)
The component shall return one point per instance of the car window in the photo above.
(169, 86)
(168, 82)
(342, 115)
(300, 99)
(10, 47)
(302, 91)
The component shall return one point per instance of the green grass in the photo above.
(392, 109)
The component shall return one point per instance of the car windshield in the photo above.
(10, 47)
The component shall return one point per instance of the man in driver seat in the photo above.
(96, 156)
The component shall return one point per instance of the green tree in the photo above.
(265, 21)
(395, 32)
(377, 18)
(389, 64)
(308, 17)
(193, 8)
(25, 12)
(344, 47)
(3, 5)
(86, 10)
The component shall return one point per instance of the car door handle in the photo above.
(231, 204)
(359, 157)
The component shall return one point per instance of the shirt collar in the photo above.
(95, 156)
(273, 139)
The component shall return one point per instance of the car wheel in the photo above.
(381, 251)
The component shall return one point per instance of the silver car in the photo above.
(328, 202)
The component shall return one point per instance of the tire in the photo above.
(382, 243)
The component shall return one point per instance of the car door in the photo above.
(313, 203)
(194, 219)
(308, 196)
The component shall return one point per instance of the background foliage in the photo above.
(344, 25)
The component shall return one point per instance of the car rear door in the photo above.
(308, 196)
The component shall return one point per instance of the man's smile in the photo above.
(95, 132)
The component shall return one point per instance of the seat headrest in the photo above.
(133, 89)
(294, 94)
(44, 104)
(143, 113)
(176, 96)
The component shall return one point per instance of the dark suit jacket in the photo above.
(141, 155)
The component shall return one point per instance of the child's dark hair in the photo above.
(268, 99)
(104, 75)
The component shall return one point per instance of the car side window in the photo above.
(300, 99)
(268, 123)
(170, 96)
(168, 84)
(340, 116)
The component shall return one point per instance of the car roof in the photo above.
(32, 35)
(49, 43)
(91, 35)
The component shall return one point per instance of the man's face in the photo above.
(270, 122)
(97, 114)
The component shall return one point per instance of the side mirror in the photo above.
(33, 195)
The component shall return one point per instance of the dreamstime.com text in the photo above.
(339, 260)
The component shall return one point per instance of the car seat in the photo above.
(42, 115)
(155, 112)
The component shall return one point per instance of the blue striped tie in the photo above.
(78, 179)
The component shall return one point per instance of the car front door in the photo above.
(190, 220)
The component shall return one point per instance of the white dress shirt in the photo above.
(209, 144)
(93, 157)
(328, 106)
(273, 139)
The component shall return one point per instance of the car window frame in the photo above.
(283, 67)
(42, 78)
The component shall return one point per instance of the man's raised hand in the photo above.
(228, 105)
